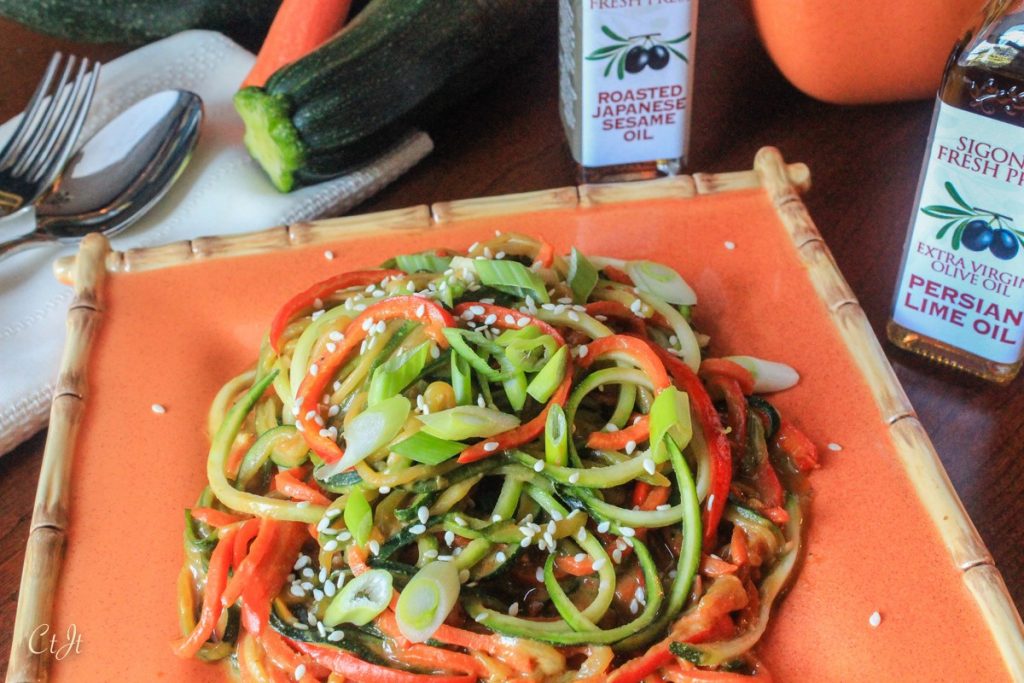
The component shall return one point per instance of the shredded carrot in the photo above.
(637, 432)
(241, 445)
(738, 547)
(356, 558)
(287, 484)
(215, 518)
(299, 27)
(570, 565)
(713, 566)
(216, 579)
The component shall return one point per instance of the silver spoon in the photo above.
(122, 171)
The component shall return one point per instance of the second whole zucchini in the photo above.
(344, 102)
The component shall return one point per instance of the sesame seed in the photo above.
(634, 606)
(301, 562)
(333, 410)
(630, 447)
(330, 589)
(574, 316)
(875, 619)
(307, 585)
(617, 556)
(435, 352)
(297, 591)
(538, 466)
(417, 529)
(158, 409)
(335, 636)
(430, 554)
(313, 369)
(308, 573)
(574, 478)
(649, 466)
(500, 556)
(332, 347)
(300, 671)
(603, 527)
(332, 513)
(513, 609)
(384, 490)
(581, 535)
(663, 507)
(329, 255)
(641, 596)
(491, 446)
(449, 538)
(730, 245)
(579, 557)
(598, 564)
(627, 531)
(480, 617)
(331, 545)
(832, 446)
(526, 541)
(420, 310)
(374, 547)
(303, 504)
(491, 319)
(477, 310)
(320, 628)
(318, 594)
(480, 401)
(582, 351)
(540, 575)
(500, 255)
(344, 536)
(423, 514)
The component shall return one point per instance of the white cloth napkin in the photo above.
(222, 191)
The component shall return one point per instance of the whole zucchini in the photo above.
(358, 92)
(134, 22)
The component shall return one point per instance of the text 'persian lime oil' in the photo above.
(960, 295)
(626, 71)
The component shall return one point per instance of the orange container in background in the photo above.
(863, 51)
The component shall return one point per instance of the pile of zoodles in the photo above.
(497, 464)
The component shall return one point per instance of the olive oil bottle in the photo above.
(960, 295)
(626, 70)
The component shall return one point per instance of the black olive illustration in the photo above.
(637, 59)
(659, 57)
(1004, 244)
(977, 235)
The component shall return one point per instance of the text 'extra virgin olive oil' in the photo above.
(960, 295)
(626, 71)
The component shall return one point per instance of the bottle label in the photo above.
(635, 64)
(963, 273)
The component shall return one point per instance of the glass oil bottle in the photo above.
(626, 73)
(960, 295)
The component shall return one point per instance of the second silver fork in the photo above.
(45, 137)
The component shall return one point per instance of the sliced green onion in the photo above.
(369, 432)
(670, 414)
(582, 276)
(530, 355)
(465, 422)
(361, 600)
(397, 373)
(556, 446)
(661, 281)
(544, 383)
(768, 375)
(426, 600)
(514, 383)
(512, 277)
(462, 380)
(427, 448)
(425, 262)
(457, 339)
(509, 336)
(358, 516)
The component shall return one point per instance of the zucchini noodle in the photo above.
(646, 528)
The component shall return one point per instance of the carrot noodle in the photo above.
(529, 429)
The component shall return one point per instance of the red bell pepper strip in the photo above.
(637, 432)
(289, 485)
(272, 573)
(616, 275)
(727, 368)
(321, 290)
(216, 580)
(507, 318)
(638, 350)
(736, 408)
(570, 565)
(357, 669)
(243, 538)
(311, 390)
(636, 670)
(718, 445)
(426, 656)
(215, 518)
(795, 444)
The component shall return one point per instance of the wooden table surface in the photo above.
(864, 165)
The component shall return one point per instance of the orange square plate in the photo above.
(887, 532)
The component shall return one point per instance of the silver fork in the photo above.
(46, 135)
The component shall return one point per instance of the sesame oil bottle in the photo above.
(960, 295)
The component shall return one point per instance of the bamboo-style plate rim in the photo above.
(783, 184)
